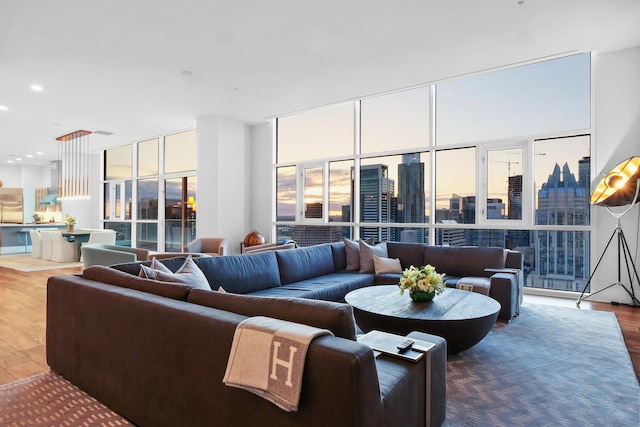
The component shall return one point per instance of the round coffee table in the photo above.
(462, 318)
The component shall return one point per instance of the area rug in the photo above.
(26, 263)
(551, 366)
(49, 400)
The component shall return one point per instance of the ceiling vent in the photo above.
(102, 132)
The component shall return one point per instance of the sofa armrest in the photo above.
(437, 373)
(101, 256)
(505, 290)
(514, 259)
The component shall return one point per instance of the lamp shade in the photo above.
(618, 187)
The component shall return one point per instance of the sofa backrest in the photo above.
(304, 263)
(123, 279)
(336, 317)
(241, 274)
(339, 256)
(408, 253)
(463, 261)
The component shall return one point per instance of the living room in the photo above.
(235, 168)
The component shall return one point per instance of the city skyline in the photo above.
(553, 259)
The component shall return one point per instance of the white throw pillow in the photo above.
(386, 265)
(189, 273)
(150, 271)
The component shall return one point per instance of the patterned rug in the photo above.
(49, 400)
(26, 263)
(551, 366)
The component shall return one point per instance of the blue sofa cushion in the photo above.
(332, 287)
(241, 274)
(304, 263)
(281, 292)
(339, 256)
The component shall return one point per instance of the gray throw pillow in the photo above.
(367, 252)
(352, 253)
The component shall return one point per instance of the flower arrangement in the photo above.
(419, 281)
(70, 220)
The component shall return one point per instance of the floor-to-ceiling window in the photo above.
(149, 192)
(500, 158)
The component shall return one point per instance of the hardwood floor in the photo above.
(22, 322)
(23, 308)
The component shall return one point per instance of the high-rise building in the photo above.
(584, 173)
(411, 198)
(584, 179)
(495, 208)
(313, 210)
(309, 235)
(469, 210)
(562, 256)
(455, 206)
(376, 201)
(514, 194)
(450, 236)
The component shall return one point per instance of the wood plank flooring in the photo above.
(23, 305)
(22, 322)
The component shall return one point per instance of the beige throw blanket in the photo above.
(267, 358)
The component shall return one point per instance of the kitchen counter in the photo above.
(34, 224)
(14, 238)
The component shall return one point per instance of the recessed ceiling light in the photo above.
(3, 108)
(39, 153)
(9, 161)
(18, 158)
(29, 156)
(36, 88)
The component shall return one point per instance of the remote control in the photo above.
(404, 345)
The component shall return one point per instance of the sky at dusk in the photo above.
(505, 114)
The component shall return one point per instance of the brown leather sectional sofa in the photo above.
(156, 353)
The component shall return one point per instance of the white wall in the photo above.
(261, 179)
(617, 138)
(223, 180)
(21, 176)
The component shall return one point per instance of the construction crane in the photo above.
(508, 162)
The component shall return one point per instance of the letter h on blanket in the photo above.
(256, 355)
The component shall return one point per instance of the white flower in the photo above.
(424, 279)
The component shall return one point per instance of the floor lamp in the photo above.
(619, 187)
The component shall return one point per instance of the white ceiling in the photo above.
(141, 68)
